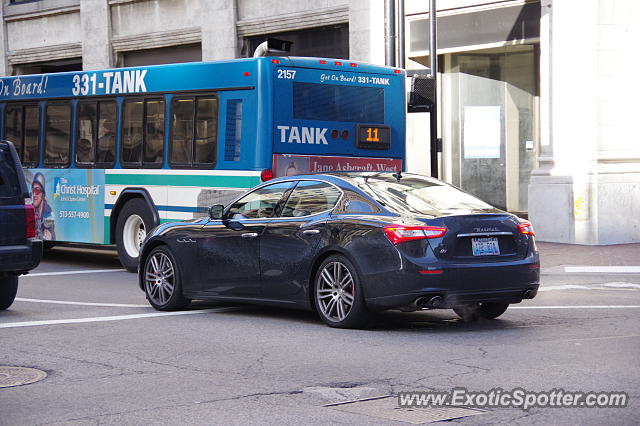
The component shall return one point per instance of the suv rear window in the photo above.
(9, 183)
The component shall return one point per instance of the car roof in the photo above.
(351, 177)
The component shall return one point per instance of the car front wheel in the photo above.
(162, 281)
(338, 294)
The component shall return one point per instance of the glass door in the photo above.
(491, 121)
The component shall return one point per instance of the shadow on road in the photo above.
(83, 256)
(436, 321)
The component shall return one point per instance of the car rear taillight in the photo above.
(401, 234)
(526, 228)
(30, 221)
(266, 175)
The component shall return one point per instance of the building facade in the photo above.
(535, 110)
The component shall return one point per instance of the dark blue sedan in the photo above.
(347, 245)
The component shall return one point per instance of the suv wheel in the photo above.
(8, 290)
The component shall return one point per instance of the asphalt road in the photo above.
(112, 359)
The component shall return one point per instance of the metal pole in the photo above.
(390, 32)
(433, 114)
(401, 63)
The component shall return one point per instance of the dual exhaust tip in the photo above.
(434, 302)
(428, 302)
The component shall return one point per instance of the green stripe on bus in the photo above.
(183, 180)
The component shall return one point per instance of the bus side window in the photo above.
(205, 149)
(85, 141)
(107, 119)
(154, 140)
(57, 134)
(31, 153)
(143, 132)
(194, 135)
(132, 133)
(13, 126)
(182, 132)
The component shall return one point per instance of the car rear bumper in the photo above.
(19, 259)
(452, 298)
(455, 285)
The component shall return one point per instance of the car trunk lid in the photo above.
(491, 237)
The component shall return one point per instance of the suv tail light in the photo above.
(401, 234)
(526, 228)
(30, 221)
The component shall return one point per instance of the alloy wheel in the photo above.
(335, 291)
(159, 278)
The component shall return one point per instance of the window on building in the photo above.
(324, 42)
(162, 55)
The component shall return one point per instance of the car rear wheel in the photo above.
(162, 281)
(134, 222)
(338, 294)
(8, 290)
(475, 311)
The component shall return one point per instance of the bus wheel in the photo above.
(133, 223)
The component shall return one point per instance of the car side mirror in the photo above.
(215, 212)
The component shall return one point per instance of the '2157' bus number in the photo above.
(287, 74)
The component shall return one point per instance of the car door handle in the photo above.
(311, 231)
(249, 235)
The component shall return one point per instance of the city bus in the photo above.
(110, 154)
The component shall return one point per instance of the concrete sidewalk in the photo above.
(554, 256)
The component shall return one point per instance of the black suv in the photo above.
(20, 250)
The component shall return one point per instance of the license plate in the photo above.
(485, 246)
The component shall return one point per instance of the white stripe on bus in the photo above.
(182, 172)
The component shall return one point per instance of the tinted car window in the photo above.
(420, 195)
(310, 197)
(260, 203)
(9, 183)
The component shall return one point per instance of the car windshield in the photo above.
(420, 195)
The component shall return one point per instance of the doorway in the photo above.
(490, 122)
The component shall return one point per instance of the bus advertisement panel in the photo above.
(69, 204)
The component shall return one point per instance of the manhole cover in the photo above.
(18, 376)
(386, 407)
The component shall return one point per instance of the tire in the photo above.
(475, 311)
(133, 223)
(340, 306)
(162, 281)
(8, 290)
